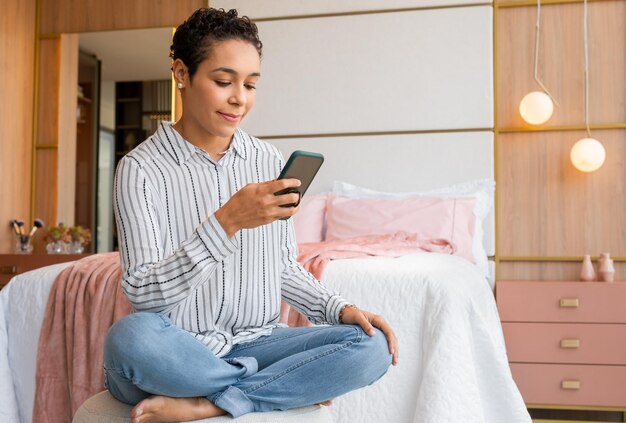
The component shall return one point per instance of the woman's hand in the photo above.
(368, 321)
(255, 205)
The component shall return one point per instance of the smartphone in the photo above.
(302, 165)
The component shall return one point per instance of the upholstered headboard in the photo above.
(397, 95)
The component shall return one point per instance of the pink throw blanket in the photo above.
(85, 300)
(315, 256)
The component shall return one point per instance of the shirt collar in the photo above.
(181, 150)
(239, 143)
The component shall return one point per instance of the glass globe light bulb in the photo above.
(587, 154)
(536, 107)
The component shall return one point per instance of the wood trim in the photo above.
(33, 158)
(555, 259)
(48, 92)
(555, 271)
(46, 186)
(362, 134)
(370, 12)
(521, 3)
(67, 133)
(564, 128)
(495, 140)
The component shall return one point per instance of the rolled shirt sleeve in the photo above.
(302, 290)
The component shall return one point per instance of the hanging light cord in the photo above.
(537, 27)
(586, 44)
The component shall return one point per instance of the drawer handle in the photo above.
(568, 303)
(570, 384)
(8, 270)
(570, 343)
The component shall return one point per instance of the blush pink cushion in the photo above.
(448, 218)
(309, 221)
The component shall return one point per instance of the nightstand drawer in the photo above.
(581, 343)
(580, 302)
(563, 384)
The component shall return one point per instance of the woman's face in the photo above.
(223, 88)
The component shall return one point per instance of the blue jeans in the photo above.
(145, 354)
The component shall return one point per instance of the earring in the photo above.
(180, 86)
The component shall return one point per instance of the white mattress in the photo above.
(452, 367)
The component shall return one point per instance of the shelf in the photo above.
(129, 100)
(156, 112)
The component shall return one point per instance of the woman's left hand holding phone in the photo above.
(255, 205)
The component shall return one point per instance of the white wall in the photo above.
(396, 100)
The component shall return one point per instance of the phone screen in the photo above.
(302, 165)
(303, 168)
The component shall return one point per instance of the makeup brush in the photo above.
(20, 225)
(38, 223)
(15, 227)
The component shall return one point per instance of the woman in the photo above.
(206, 258)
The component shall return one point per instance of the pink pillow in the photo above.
(309, 221)
(428, 217)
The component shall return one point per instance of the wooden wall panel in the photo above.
(17, 42)
(546, 207)
(48, 87)
(61, 16)
(56, 126)
(545, 271)
(68, 94)
(561, 61)
(46, 185)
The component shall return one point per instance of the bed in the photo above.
(452, 366)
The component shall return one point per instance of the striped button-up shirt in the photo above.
(178, 260)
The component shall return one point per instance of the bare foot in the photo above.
(327, 403)
(167, 409)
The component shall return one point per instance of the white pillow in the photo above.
(481, 189)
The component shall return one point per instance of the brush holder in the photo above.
(23, 244)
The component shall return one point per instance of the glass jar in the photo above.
(56, 247)
(23, 244)
(75, 247)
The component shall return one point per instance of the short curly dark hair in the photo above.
(194, 38)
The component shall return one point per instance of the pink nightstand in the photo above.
(566, 342)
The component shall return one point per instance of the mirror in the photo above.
(124, 91)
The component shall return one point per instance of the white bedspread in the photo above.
(452, 360)
(22, 306)
(452, 367)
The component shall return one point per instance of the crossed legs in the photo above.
(167, 372)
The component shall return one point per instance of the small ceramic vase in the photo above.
(587, 274)
(606, 268)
